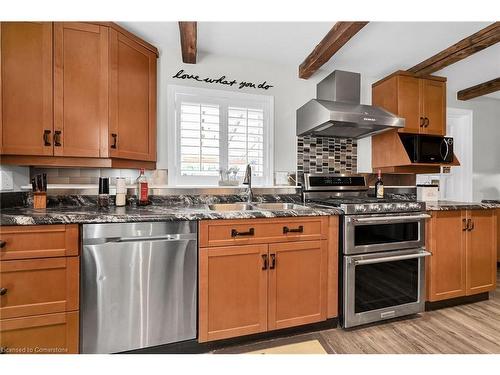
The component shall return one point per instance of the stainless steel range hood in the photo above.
(337, 111)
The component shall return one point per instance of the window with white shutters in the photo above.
(213, 130)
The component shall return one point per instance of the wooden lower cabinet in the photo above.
(39, 289)
(463, 261)
(48, 334)
(481, 252)
(297, 283)
(251, 288)
(233, 291)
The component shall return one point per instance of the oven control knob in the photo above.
(375, 207)
(400, 206)
(360, 208)
(414, 206)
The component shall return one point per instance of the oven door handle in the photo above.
(390, 218)
(420, 254)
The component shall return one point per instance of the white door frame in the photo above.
(462, 133)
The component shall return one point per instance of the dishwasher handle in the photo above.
(165, 237)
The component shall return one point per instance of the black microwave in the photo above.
(428, 148)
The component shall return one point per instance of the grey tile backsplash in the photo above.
(326, 155)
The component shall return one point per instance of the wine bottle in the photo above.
(379, 186)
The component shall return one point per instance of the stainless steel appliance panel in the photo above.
(372, 233)
(138, 285)
(392, 284)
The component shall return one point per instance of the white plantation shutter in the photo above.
(246, 139)
(219, 130)
(200, 137)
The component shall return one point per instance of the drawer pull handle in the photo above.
(264, 264)
(300, 229)
(235, 233)
(3, 350)
(273, 262)
(464, 226)
(2, 244)
(421, 122)
(470, 225)
(3, 291)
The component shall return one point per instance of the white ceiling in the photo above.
(378, 49)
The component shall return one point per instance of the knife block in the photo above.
(40, 200)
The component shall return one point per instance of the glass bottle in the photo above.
(142, 189)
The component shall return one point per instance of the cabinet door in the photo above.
(233, 291)
(297, 283)
(498, 234)
(40, 334)
(26, 88)
(409, 103)
(132, 133)
(481, 252)
(434, 106)
(446, 276)
(80, 89)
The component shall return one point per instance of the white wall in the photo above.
(485, 145)
(289, 93)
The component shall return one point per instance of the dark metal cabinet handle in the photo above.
(57, 138)
(235, 233)
(426, 122)
(464, 224)
(3, 350)
(468, 225)
(2, 244)
(46, 138)
(300, 229)
(421, 122)
(273, 262)
(471, 225)
(114, 136)
(264, 259)
(3, 291)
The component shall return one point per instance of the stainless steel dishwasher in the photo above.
(138, 285)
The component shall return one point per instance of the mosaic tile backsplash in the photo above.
(326, 155)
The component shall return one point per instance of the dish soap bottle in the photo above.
(142, 189)
(379, 186)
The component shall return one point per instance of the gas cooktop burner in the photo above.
(350, 193)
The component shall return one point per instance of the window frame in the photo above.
(225, 99)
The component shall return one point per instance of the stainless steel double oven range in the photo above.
(382, 269)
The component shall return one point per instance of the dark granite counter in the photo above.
(83, 210)
(451, 205)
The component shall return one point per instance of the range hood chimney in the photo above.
(337, 111)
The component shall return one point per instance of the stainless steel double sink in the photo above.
(255, 206)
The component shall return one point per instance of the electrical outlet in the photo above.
(6, 181)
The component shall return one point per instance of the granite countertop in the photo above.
(452, 205)
(160, 210)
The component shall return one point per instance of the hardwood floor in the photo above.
(472, 328)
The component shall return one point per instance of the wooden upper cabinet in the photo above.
(409, 103)
(434, 106)
(481, 251)
(297, 283)
(233, 291)
(446, 273)
(420, 101)
(80, 89)
(132, 132)
(26, 88)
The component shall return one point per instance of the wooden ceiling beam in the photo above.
(188, 31)
(337, 37)
(466, 47)
(479, 90)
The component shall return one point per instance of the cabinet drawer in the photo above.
(38, 286)
(252, 231)
(38, 241)
(53, 333)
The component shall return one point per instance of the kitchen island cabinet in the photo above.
(463, 247)
(270, 274)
